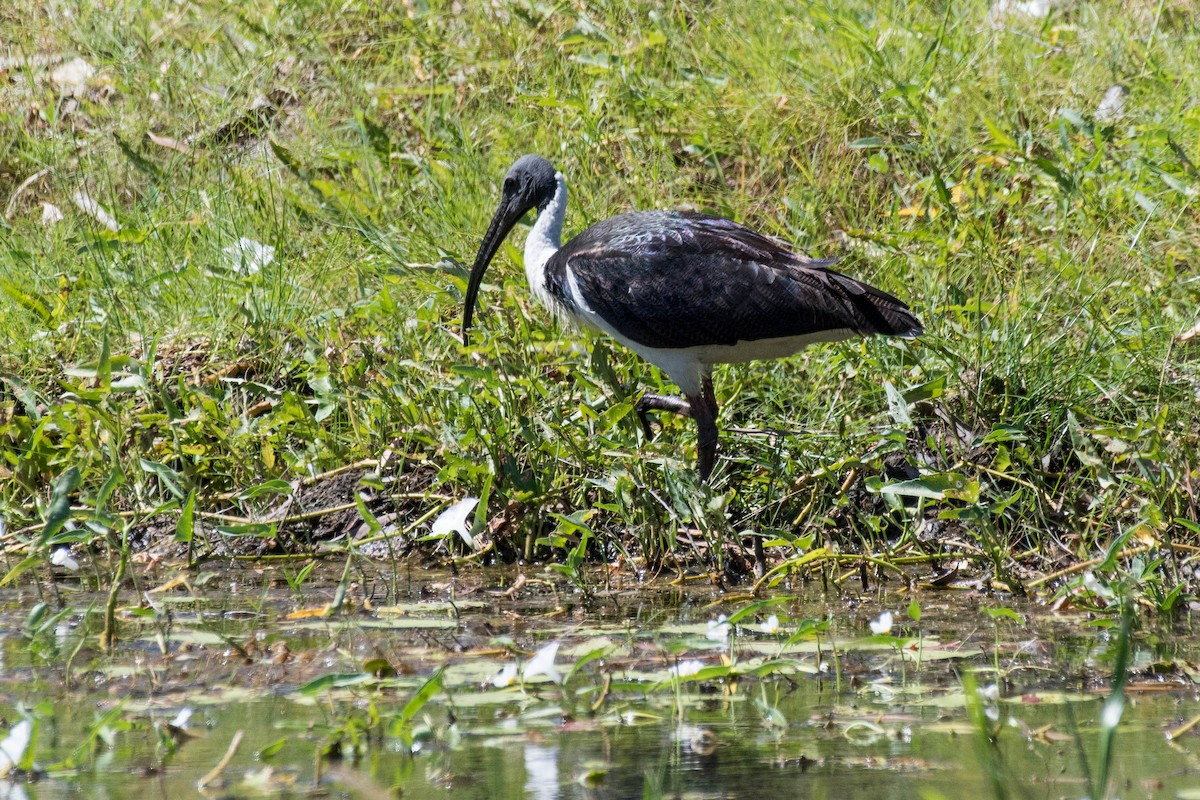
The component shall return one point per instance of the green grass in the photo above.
(951, 157)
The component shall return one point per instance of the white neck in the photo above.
(544, 240)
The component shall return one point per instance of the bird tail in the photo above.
(876, 311)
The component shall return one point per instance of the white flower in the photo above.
(883, 624)
(94, 210)
(13, 748)
(62, 558)
(686, 669)
(1094, 585)
(1031, 9)
(71, 77)
(505, 677)
(247, 257)
(989, 695)
(771, 625)
(454, 518)
(1112, 106)
(182, 718)
(718, 629)
(1113, 708)
(542, 663)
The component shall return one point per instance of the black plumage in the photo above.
(672, 279)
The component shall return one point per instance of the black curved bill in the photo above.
(506, 217)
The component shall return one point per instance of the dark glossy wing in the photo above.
(678, 279)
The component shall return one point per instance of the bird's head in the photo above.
(529, 183)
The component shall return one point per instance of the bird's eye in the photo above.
(510, 185)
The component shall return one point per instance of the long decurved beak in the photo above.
(507, 215)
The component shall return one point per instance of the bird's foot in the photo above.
(658, 402)
(701, 407)
(645, 420)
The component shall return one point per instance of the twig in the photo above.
(25, 184)
(1175, 733)
(851, 477)
(304, 517)
(216, 771)
(312, 479)
(820, 555)
(604, 690)
(476, 555)
(1084, 565)
(411, 527)
(231, 518)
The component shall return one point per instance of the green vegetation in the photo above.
(168, 374)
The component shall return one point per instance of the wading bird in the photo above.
(683, 290)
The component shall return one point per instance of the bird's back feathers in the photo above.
(681, 279)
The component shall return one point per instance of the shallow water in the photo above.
(644, 699)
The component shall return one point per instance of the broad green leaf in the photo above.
(60, 504)
(186, 525)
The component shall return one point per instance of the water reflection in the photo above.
(642, 722)
(541, 773)
(12, 791)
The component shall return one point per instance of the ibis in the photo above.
(681, 289)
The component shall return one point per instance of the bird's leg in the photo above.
(659, 402)
(701, 407)
(704, 410)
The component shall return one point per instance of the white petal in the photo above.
(718, 629)
(542, 663)
(506, 676)
(248, 256)
(13, 748)
(1112, 105)
(181, 719)
(771, 625)
(454, 518)
(883, 624)
(71, 77)
(51, 214)
(1032, 9)
(62, 558)
(89, 206)
(685, 669)
(1113, 708)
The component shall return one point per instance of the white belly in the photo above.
(687, 366)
